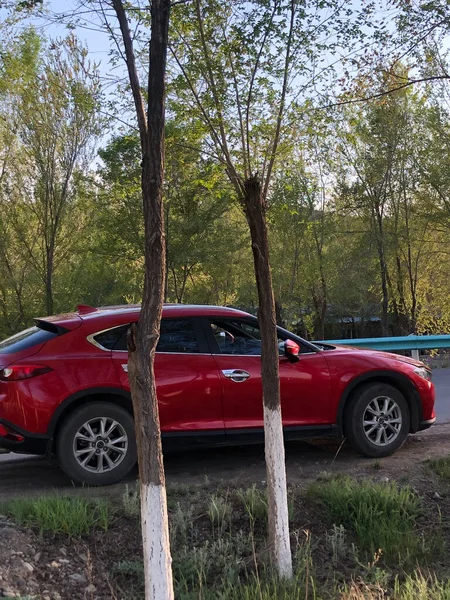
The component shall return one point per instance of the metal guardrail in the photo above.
(415, 343)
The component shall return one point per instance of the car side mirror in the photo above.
(291, 351)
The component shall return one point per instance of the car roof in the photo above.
(119, 313)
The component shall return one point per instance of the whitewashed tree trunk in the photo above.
(155, 534)
(277, 491)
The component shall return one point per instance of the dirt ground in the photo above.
(236, 466)
(55, 568)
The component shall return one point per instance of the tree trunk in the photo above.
(144, 336)
(279, 313)
(278, 520)
(49, 281)
(383, 272)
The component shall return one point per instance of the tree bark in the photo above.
(278, 519)
(143, 337)
(378, 222)
(49, 282)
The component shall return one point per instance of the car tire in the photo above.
(377, 420)
(96, 444)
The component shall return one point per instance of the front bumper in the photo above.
(426, 424)
(15, 439)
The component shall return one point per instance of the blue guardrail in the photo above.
(409, 342)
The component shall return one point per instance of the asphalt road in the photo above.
(441, 379)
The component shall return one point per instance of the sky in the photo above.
(96, 41)
(99, 44)
(99, 47)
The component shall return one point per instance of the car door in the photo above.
(187, 379)
(304, 385)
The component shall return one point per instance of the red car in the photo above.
(64, 389)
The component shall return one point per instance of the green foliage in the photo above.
(205, 234)
(382, 516)
(254, 500)
(60, 515)
(49, 97)
(441, 466)
(229, 561)
(357, 202)
(219, 511)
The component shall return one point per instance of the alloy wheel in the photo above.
(100, 444)
(382, 420)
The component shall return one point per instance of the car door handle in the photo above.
(125, 367)
(236, 375)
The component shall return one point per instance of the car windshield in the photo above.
(25, 339)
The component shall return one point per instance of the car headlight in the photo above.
(423, 372)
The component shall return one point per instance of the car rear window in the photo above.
(26, 339)
(113, 339)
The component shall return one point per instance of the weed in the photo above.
(59, 514)
(192, 566)
(180, 489)
(303, 563)
(129, 576)
(382, 516)
(420, 587)
(219, 512)
(131, 501)
(130, 567)
(268, 587)
(441, 466)
(336, 538)
(415, 586)
(182, 525)
(254, 501)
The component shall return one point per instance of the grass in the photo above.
(219, 553)
(381, 516)
(219, 511)
(359, 530)
(415, 586)
(254, 502)
(131, 501)
(441, 466)
(59, 514)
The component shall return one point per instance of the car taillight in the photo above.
(18, 372)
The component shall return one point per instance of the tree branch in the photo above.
(386, 92)
(276, 138)
(252, 80)
(132, 72)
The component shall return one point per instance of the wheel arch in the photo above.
(117, 396)
(397, 380)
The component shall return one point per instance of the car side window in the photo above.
(242, 338)
(177, 335)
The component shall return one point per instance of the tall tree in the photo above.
(53, 123)
(144, 335)
(49, 122)
(383, 150)
(240, 68)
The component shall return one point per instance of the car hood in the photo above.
(384, 355)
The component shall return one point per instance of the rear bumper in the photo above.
(15, 439)
(426, 424)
